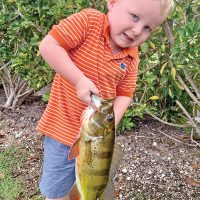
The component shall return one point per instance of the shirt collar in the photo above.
(131, 51)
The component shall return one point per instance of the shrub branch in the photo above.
(189, 117)
(192, 83)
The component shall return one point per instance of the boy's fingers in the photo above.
(85, 97)
(95, 90)
(84, 88)
(88, 101)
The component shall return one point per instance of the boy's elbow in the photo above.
(46, 43)
(42, 47)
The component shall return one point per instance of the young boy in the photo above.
(91, 53)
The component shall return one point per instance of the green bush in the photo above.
(23, 24)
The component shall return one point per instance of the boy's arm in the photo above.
(125, 90)
(121, 103)
(59, 60)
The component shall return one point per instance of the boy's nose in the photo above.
(137, 29)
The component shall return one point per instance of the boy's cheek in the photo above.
(140, 41)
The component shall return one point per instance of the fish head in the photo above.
(98, 116)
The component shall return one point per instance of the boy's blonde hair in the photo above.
(167, 7)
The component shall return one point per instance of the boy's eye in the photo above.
(148, 28)
(134, 17)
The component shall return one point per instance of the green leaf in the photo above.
(152, 45)
(163, 67)
(164, 80)
(46, 96)
(173, 73)
(179, 85)
(170, 93)
(150, 77)
(144, 47)
(154, 98)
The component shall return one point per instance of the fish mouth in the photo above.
(91, 109)
(100, 104)
(97, 105)
(95, 102)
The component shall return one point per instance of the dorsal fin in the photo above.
(74, 150)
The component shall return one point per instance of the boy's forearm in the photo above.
(59, 60)
(121, 103)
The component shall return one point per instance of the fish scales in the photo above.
(95, 148)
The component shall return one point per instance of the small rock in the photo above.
(162, 175)
(124, 170)
(18, 134)
(154, 144)
(21, 119)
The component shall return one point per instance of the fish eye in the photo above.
(109, 117)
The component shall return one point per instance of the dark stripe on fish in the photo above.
(103, 154)
(98, 187)
(102, 172)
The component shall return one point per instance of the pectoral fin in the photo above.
(74, 193)
(74, 150)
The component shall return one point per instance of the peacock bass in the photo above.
(97, 155)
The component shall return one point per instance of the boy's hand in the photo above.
(84, 88)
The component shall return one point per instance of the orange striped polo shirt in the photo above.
(85, 36)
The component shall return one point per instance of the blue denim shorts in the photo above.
(58, 175)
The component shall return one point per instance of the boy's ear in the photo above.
(110, 4)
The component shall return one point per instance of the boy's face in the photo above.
(132, 21)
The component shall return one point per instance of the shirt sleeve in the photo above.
(71, 32)
(127, 86)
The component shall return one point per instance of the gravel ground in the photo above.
(153, 167)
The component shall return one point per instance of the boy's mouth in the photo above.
(128, 37)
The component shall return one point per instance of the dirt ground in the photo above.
(154, 167)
